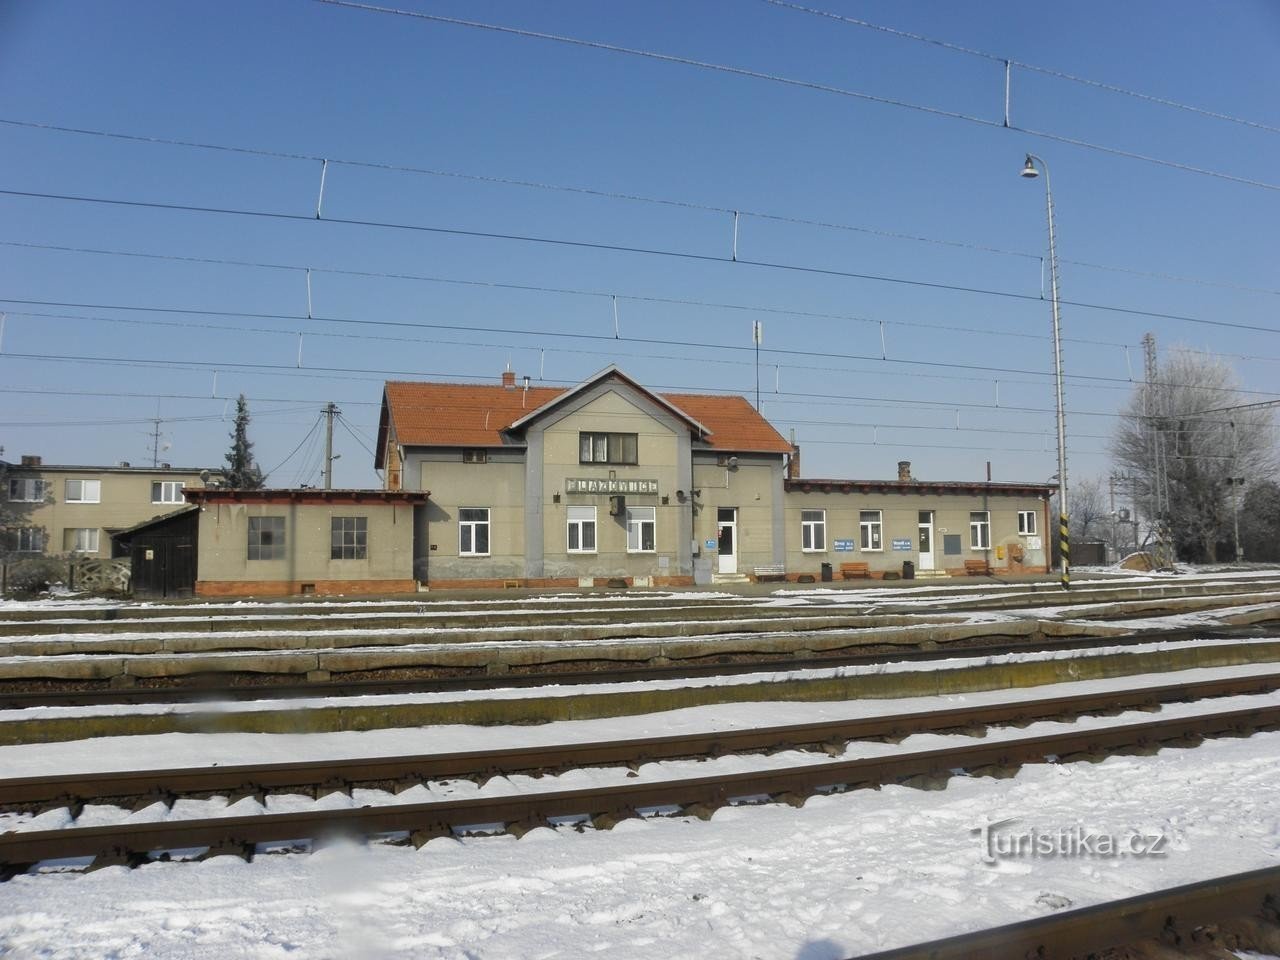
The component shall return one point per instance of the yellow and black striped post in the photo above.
(1064, 542)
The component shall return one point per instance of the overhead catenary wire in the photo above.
(1022, 64)
(625, 249)
(1002, 124)
(1120, 382)
(735, 211)
(334, 373)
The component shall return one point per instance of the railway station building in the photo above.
(608, 480)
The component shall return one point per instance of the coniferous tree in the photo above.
(242, 472)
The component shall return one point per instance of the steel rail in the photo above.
(132, 843)
(74, 790)
(83, 694)
(958, 598)
(1168, 915)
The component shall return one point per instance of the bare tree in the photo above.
(1182, 446)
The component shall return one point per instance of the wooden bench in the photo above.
(977, 568)
(855, 571)
(770, 572)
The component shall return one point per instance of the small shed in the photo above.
(162, 554)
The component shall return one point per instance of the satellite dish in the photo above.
(204, 476)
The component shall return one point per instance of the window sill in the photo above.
(814, 550)
(640, 553)
(481, 555)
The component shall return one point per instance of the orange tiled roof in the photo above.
(474, 415)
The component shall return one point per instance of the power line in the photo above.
(1124, 382)
(1047, 71)
(590, 191)
(621, 248)
(792, 82)
(314, 426)
(567, 291)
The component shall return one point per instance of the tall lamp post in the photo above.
(1030, 171)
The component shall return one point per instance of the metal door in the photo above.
(727, 536)
(926, 541)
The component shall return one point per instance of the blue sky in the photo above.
(875, 371)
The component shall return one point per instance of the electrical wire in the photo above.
(791, 82)
(618, 248)
(1047, 71)
(1119, 382)
(590, 191)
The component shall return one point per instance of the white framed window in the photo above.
(608, 448)
(80, 540)
(84, 491)
(813, 531)
(1027, 523)
(980, 530)
(581, 536)
(26, 490)
(871, 529)
(348, 538)
(475, 455)
(266, 538)
(473, 532)
(642, 527)
(30, 540)
(166, 491)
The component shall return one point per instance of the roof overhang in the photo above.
(921, 487)
(308, 495)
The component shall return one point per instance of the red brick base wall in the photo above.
(289, 588)
(548, 583)
(793, 577)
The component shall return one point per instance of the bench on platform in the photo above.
(977, 568)
(855, 571)
(770, 572)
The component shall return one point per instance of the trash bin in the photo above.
(826, 573)
(908, 570)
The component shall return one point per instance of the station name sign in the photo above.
(576, 485)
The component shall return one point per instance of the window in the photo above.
(80, 540)
(473, 532)
(813, 530)
(30, 540)
(980, 530)
(582, 530)
(266, 538)
(871, 529)
(642, 525)
(607, 447)
(84, 491)
(475, 456)
(348, 538)
(166, 491)
(1027, 522)
(26, 490)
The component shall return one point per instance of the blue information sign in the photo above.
(902, 544)
(711, 544)
(843, 546)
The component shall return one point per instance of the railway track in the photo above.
(398, 773)
(201, 689)
(1247, 905)
(136, 843)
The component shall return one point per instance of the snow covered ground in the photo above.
(845, 874)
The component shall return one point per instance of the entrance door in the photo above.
(727, 535)
(926, 540)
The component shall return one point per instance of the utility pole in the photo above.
(330, 410)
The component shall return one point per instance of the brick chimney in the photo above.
(509, 379)
(31, 460)
(904, 471)
(793, 462)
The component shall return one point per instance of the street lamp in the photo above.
(1029, 171)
